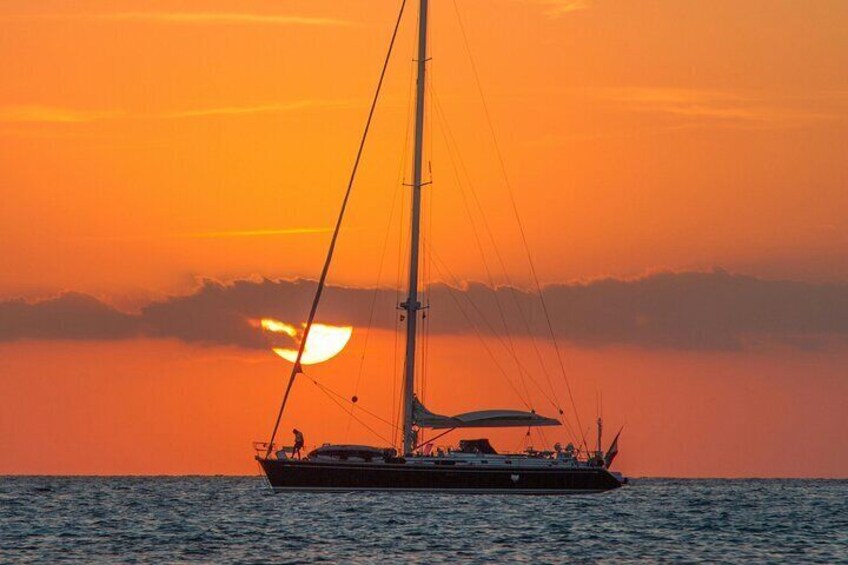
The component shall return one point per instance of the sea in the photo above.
(237, 520)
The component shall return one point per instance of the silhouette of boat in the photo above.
(475, 466)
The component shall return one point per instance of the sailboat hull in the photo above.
(325, 476)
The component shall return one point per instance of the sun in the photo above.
(324, 343)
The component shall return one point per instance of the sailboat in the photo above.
(474, 466)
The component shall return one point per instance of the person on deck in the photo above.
(298, 443)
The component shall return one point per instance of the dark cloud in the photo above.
(691, 311)
(69, 316)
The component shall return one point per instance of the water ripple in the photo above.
(234, 520)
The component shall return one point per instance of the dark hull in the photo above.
(321, 476)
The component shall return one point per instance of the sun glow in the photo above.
(324, 342)
(275, 326)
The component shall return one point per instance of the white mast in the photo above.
(412, 305)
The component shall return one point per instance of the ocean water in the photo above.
(236, 520)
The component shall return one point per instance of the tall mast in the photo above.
(412, 305)
(296, 368)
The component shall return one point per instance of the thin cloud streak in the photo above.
(213, 234)
(255, 233)
(58, 115)
(740, 108)
(53, 114)
(194, 18)
(245, 110)
(559, 8)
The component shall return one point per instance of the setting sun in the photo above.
(324, 343)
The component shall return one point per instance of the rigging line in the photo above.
(425, 322)
(481, 338)
(420, 352)
(494, 334)
(296, 368)
(510, 342)
(395, 412)
(395, 407)
(432, 439)
(479, 312)
(423, 365)
(542, 437)
(374, 302)
(410, 88)
(512, 288)
(479, 335)
(318, 383)
(397, 383)
(377, 285)
(427, 268)
(342, 406)
(396, 417)
(517, 216)
(555, 402)
(584, 443)
(522, 441)
(428, 222)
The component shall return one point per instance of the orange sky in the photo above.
(143, 148)
(161, 408)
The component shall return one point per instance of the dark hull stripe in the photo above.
(437, 490)
(313, 476)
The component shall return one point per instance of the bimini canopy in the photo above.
(482, 419)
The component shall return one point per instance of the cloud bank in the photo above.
(716, 311)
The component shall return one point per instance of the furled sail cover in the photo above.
(482, 419)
